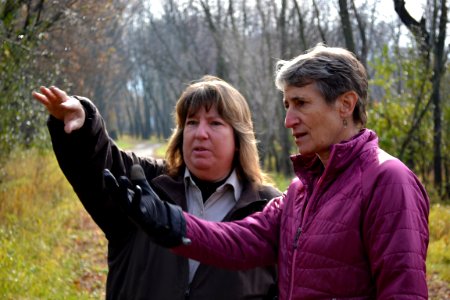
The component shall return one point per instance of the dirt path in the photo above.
(438, 289)
(145, 149)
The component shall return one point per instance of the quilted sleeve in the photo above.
(395, 232)
(248, 243)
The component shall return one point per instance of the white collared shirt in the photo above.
(215, 208)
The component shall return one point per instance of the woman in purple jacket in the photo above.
(352, 225)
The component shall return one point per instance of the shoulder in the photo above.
(268, 192)
(385, 169)
(152, 167)
(389, 185)
(296, 186)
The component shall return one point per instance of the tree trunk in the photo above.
(221, 65)
(439, 63)
(319, 27)
(426, 44)
(362, 35)
(346, 25)
(301, 27)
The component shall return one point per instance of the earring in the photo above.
(344, 122)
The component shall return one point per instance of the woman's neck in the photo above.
(207, 187)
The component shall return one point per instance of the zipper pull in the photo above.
(297, 236)
(187, 293)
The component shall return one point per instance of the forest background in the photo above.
(134, 57)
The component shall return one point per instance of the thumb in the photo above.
(137, 197)
(69, 127)
(72, 125)
(75, 116)
(110, 181)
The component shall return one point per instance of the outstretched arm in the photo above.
(62, 107)
(238, 245)
(244, 244)
(83, 149)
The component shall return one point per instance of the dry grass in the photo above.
(49, 248)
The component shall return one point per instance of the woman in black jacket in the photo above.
(211, 170)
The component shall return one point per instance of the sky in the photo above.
(386, 7)
(414, 7)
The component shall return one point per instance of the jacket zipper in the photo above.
(294, 258)
(295, 243)
(297, 236)
(187, 293)
(299, 231)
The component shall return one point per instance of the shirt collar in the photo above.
(231, 181)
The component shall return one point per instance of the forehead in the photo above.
(309, 91)
(209, 110)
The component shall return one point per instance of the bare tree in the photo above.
(431, 43)
(361, 24)
(346, 25)
(301, 26)
(319, 24)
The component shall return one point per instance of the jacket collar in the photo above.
(171, 189)
(342, 155)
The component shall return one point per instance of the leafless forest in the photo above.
(133, 59)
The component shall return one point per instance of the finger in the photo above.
(48, 93)
(41, 98)
(110, 181)
(125, 183)
(59, 93)
(126, 189)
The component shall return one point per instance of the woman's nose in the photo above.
(202, 130)
(290, 119)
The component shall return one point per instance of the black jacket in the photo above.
(139, 269)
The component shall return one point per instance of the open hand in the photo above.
(62, 107)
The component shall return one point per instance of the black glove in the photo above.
(162, 221)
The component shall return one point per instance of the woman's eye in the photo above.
(299, 103)
(191, 122)
(216, 123)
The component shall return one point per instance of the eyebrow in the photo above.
(215, 116)
(296, 98)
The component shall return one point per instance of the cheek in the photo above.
(187, 142)
(321, 129)
(227, 144)
(327, 132)
(232, 148)
(187, 137)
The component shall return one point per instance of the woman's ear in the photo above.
(347, 102)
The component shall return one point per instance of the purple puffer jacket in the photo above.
(355, 230)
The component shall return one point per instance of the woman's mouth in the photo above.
(299, 135)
